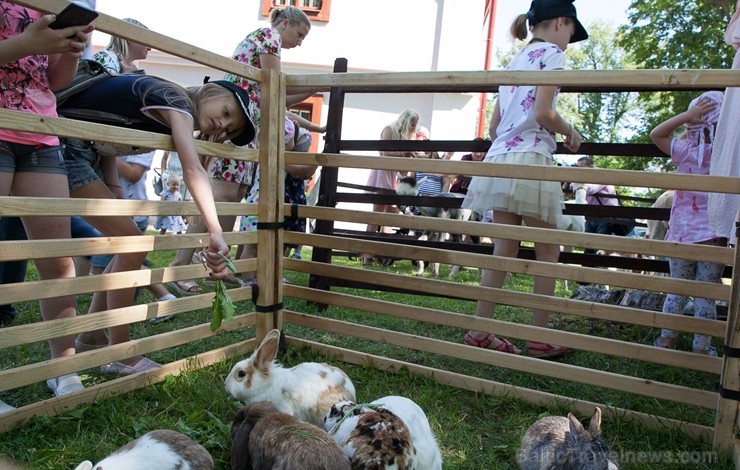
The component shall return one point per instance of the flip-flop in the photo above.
(187, 287)
(65, 384)
(504, 345)
(119, 368)
(546, 351)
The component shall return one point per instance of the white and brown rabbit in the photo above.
(390, 433)
(305, 391)
(264, 438)
(560, 443)
(161, 449)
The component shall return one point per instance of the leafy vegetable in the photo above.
(223, 307)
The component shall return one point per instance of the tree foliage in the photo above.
(673, 34)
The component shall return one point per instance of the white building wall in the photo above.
(380, 36)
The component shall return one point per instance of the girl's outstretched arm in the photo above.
(199, 185)
(548, 116)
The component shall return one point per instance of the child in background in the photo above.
(523, 128)
(173, 223)
(34, 61)
(691, 152)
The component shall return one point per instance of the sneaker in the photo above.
(65, 384)
(297, 255)
(5, 408)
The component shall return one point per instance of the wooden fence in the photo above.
(270, 263)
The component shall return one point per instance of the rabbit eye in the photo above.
(241, 374)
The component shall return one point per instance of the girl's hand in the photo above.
(696, 115)
(213, 255)
(40, 39)
(572, 141)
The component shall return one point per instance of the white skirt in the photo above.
(541, 200)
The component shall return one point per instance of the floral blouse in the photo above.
(258, 42)
(518, 130)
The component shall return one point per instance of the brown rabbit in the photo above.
(264, 438)
(559, 443)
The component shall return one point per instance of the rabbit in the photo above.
(161, 449)
(305, 391)
(559, 443)
(390, 433)
(264, 438)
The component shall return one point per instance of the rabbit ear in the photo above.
(267, 351)
(594, 427)
(573, 436)
(238, 420)
(86, 465)
(240, 458)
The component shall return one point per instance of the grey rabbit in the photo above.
(263, 438)
(560, 443)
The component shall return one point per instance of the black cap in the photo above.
(242, 97)
(542, 10)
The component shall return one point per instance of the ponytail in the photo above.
(519, 28)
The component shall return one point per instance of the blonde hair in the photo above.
(292, 14)
(120, 45)
(404, 127)
(172, 178)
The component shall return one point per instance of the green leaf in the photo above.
(223, 307)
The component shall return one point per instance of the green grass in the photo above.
(475, 431)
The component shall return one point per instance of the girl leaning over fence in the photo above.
(36, 60)
(218, 110)
(523, 128)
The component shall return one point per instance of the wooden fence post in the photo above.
(726, 425)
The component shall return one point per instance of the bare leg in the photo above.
(494, 278)
(53, 185)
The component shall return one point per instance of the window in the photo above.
(317, 10)
(310, 110)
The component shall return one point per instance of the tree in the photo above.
(674, 34)
(599, 117)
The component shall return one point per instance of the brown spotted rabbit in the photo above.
(305, 391)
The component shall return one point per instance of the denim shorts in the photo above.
(82, 162)
(20, 158)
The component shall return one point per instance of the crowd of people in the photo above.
(37, 60)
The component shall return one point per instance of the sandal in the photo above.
(119, 368)
(188, 287)
(709, 351)
(65, 384)
(546, 351)
(504, 344)
(665, 343)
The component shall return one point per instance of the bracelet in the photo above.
(112, 185)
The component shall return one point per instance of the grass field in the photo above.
(475, 431)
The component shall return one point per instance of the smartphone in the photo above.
(73, 15)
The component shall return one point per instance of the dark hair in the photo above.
(589, 161)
